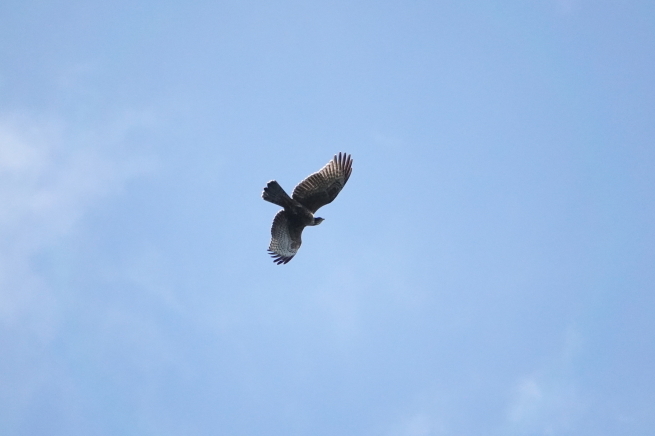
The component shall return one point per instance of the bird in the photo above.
(317, 190)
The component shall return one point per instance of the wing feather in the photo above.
(323, 186)
(285, 238)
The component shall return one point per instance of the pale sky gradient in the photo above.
(488, 270)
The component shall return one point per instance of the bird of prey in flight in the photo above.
(311, 194)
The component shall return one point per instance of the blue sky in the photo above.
(488, 269)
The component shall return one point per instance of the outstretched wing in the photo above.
(285, 238)
(323, 186)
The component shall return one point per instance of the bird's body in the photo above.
(315, 191)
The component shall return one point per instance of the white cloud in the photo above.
(567, 7)
(544, 406)
(548, 401)
(421, 423)
(50, 175)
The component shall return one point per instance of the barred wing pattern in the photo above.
(285, 238)
(323, 186)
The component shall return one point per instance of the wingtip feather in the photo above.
(278, 258)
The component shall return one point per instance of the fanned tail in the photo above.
(274, 193)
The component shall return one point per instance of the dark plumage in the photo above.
(311, 194)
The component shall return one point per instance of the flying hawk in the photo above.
(311, 194)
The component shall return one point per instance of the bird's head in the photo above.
(318, 220)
